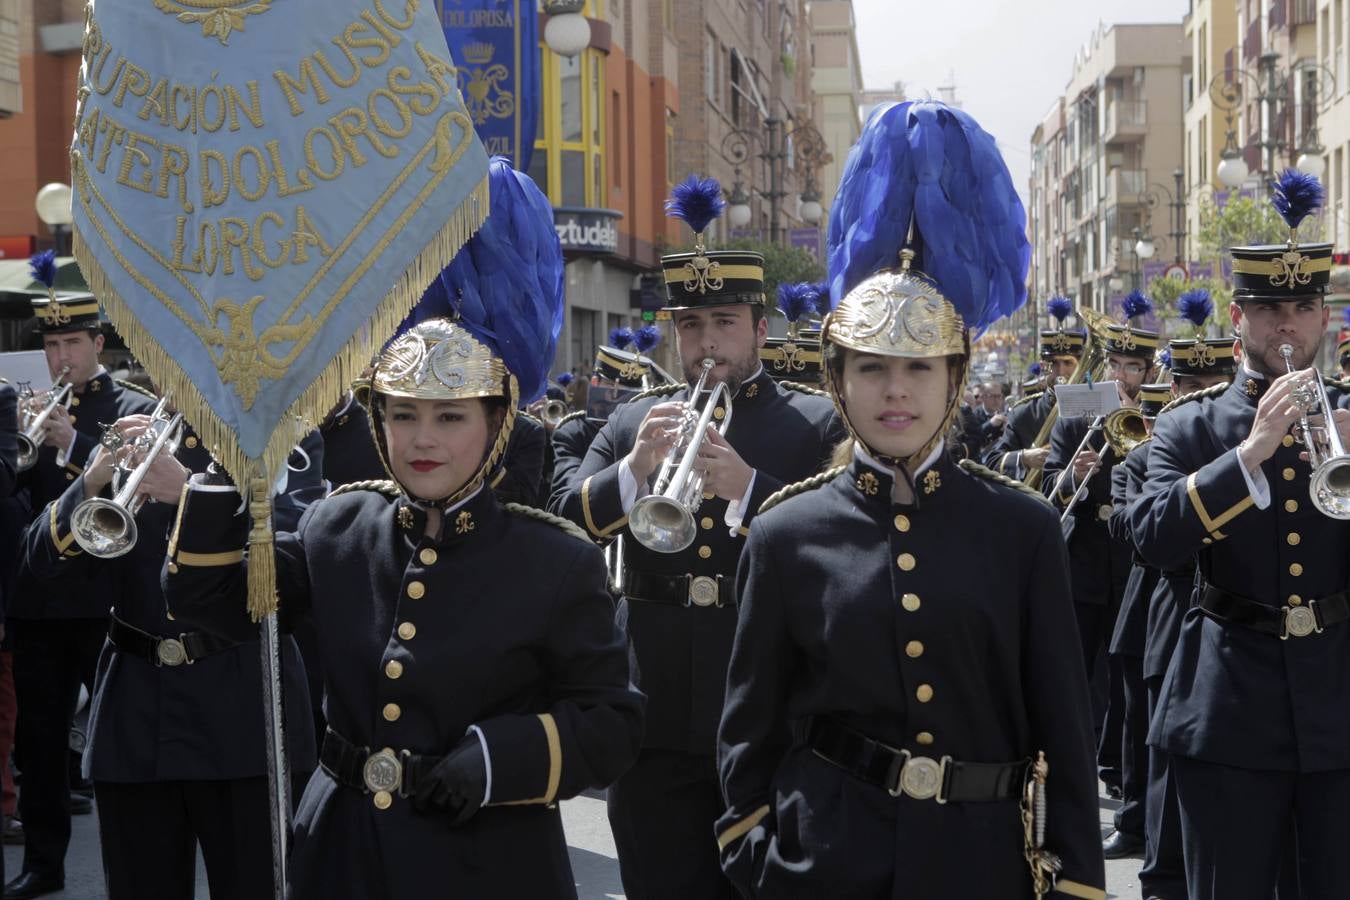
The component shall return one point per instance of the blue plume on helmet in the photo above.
(43, 268)
(1195, 306)
(697, 201)
(796, 299)
(1060, 308)
(1166, 358)
(620, 338)
(1297, 196)
(1034, 369)
(505, 286)
(564, 379)
(1136, 304)
(646, 338)
(934, 163)
(823, 305)
(1346, 314)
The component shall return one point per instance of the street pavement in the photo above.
(592, 849)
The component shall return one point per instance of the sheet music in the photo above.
(1096, 399)
(26, 365)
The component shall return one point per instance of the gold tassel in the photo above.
(262, 563)
(314, 403)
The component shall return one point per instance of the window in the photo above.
(668, 14)
(712, 69)
(736, 88)
(568, 161)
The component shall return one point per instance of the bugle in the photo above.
(31, 419)
(663, 520)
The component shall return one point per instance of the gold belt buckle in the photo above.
(921, 777)
(383, 771)
(703, 591)
(1300, 621)
(171, 652)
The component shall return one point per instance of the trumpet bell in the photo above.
(1330, 487)
(554, 412)
(1125, 430)
(102, 528)
(28, 453)
(662, 524)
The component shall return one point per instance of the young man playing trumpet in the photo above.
(680, 607)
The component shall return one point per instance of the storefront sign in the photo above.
(587, 230)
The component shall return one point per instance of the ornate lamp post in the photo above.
(781, 143)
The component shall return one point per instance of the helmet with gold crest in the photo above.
(927, 247)
(487, 326)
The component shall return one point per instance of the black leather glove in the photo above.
(456, 784)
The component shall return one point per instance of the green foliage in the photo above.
(789, 63)
(782, 265)
(1164, 292)
(1243, 220)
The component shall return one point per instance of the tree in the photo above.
(1244, 220)
(1164, 292)
(782, 265)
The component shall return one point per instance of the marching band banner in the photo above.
(263, 189)
(495, 44)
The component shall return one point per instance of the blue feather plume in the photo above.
(1034, 370)
(1136, 304)
(1166, 358)
(823, 306)
(565, 379)
(620, 338)
(43, 267)
(1346, 313)
(1060, 308)
(697, 201)
(505, 286)
(796, 300)
(646, 338)
(934, 163)
(1195, 306)
(1297, 196)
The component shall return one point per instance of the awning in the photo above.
(16, 277)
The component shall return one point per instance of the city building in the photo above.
(1333, 23)
(836, 83)
(874, 97)
(1211, 39)
(1120, 141)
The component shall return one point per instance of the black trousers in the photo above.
(52, 657)
(1134, 746)
(1239, 825)
(150, 833)
(1095, 624)
(662, 812)
(1164, 872)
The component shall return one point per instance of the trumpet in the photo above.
(554, 412)
(1330, 484)
(663, 521)
(107, 528)
(1124, 430)
(31, 420)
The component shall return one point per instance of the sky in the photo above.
(1009, 59)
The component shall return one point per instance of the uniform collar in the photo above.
(1250, 385)
(102, 381)
(757, 386)
(458, 523)
(873, 479)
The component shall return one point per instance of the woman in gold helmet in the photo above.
(473, 673)
(905, 714)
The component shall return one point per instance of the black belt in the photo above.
(188, 647)
(920, 777)
(680, 590)
(1280, 621)
(373, 771)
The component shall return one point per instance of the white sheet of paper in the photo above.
(26, 365)
(1097, 399)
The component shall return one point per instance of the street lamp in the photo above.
(802, 142)
(1143, 249)
(738, 204)
(567, 32)
(1275, 91)
(53, 208)
(1176, 201)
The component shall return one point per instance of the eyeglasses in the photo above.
(1131, 368)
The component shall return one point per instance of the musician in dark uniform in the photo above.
(1016, 453)
(12, 513)
(1343, 358)
(619, 376)
(349, 449)
(519, 478)
(58, 634)
(474, 674)
(796, 357)
(1252, 709)
(886, 699)
(680, 607)
(1100, 564)
(176, 739)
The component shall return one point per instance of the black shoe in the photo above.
(81, 805)
(13, 832)
(1113, 791)
(1119, 845)
(31, 884)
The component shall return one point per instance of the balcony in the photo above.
(1302, 12)
(1123, 186)
(1126, 120)
(1251, 44)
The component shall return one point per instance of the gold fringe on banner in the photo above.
(309, 409)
